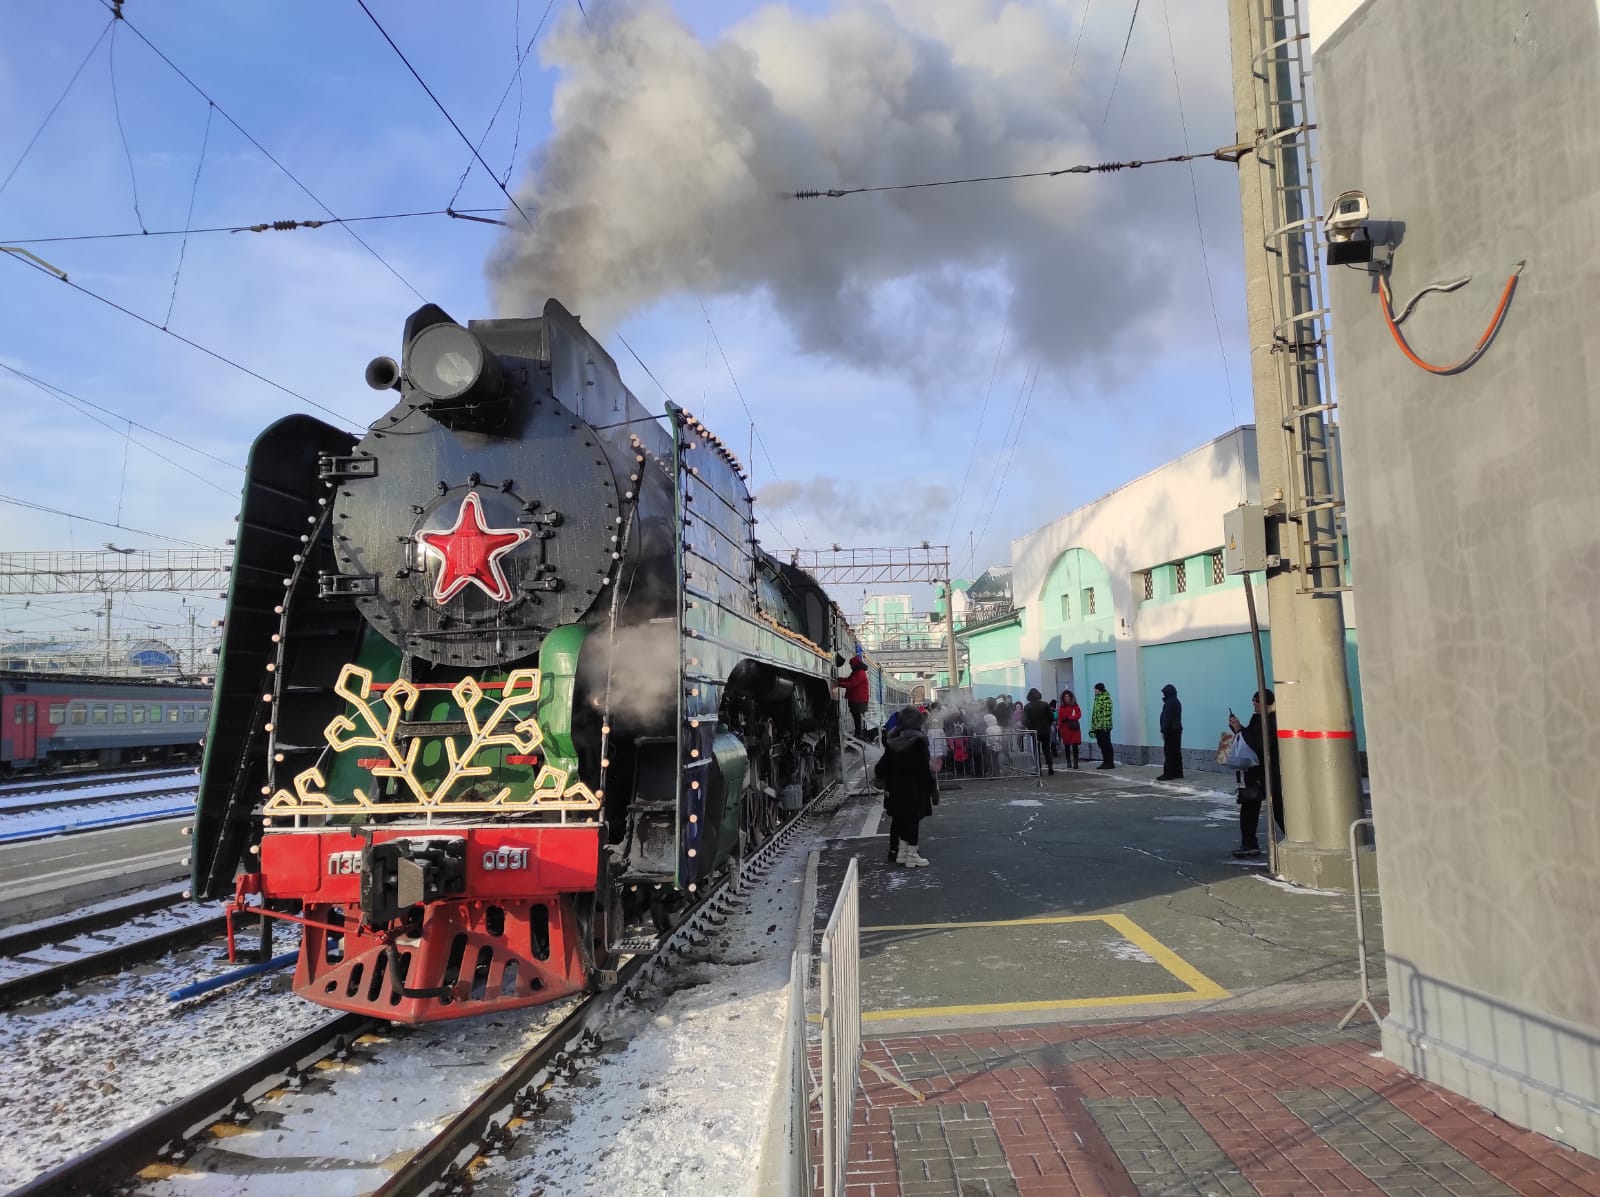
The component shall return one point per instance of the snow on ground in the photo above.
(122, 781)
(388, 1100)
(180, 915)
(78, 1067)
(678, 1102)
(85, 816)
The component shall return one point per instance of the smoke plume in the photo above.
(671, 162)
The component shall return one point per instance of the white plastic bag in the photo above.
(1241, 755)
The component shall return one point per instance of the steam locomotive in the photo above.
(504, 680)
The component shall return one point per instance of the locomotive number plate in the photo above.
(505, 859)
(344, 864)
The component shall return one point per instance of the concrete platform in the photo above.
(1101, 892)
(41, 877)
(1093, 998)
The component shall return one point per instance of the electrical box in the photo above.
(1244, 539)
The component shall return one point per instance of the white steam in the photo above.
(671, 159)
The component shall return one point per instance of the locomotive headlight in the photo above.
(447, 362)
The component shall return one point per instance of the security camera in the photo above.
(1345, 219)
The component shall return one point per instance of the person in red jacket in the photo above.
(855, 688)
(1070, 717)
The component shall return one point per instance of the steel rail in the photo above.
(103, 1167)
(443, 1161)
(15, 943)
(66, 802)
(67, 781)
(56, 976)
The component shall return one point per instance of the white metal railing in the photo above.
(839, 986)
(786, 1151)
(1365, 998)
(839, 991)
(991, 756)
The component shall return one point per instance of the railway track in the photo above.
(70, 799)
(484, 1127)
(48, 978)
(89, 778)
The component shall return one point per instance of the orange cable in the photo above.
(1483, 342)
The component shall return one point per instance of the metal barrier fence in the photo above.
(1361, 929)
(991, 756)
(839, 989)
(786, 1151)
(839, 986)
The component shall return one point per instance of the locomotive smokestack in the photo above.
(383, 374)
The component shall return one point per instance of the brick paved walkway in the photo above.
(1270, 1104)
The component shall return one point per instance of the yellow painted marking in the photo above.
(1201, 987)
(226, 1130)
(163, 1172)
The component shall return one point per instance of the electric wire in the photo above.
(127, 435)
(269, 226)
(1128, 41)
(955, 511)
(1484, 341)
(443, 110)
(1199, 224)
(116, 108)
(51, 388)
(754, 431)
(145, 320)
(1228, 153)
(1016, 439)
(515, 78)
(117, 15)
(31, 506)
(27, 149)
(194, 190)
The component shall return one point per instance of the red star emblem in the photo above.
(471, 552)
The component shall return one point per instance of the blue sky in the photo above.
(863, 332)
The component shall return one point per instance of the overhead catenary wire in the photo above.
(27, 149)
(64, 398)
(1227, 153)
(118, 16)
(194, 190)
(755, 433)
(966, 475)
(442, 109)
(1126, 42)
(1029, 386)
(516, 78)
(116, 108)
(266, 226)
(212, 353)
(32, 506)
(51, 388)
(1199, 224)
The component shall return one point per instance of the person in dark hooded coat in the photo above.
(1038, 718)
(1171, 734)
(906, 771)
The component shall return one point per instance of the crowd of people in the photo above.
(985, 737)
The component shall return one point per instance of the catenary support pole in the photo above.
(952, 661)
(1316, 744)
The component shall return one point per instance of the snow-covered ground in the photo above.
(135, 806)
(77, 1068)
(26, 789)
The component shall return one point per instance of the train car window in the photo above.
(172, 714)
(188, 714)
(80, 713)
(98, 713)
(155, 713)
(58, 714)
(138, 714)
(205, 714)
(119, 712)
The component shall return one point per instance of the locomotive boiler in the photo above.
(503, 680)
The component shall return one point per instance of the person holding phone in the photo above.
(1263, 725)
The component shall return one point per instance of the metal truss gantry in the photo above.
(879, 566)
(157, 570)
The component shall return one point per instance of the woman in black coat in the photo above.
(906, 771)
